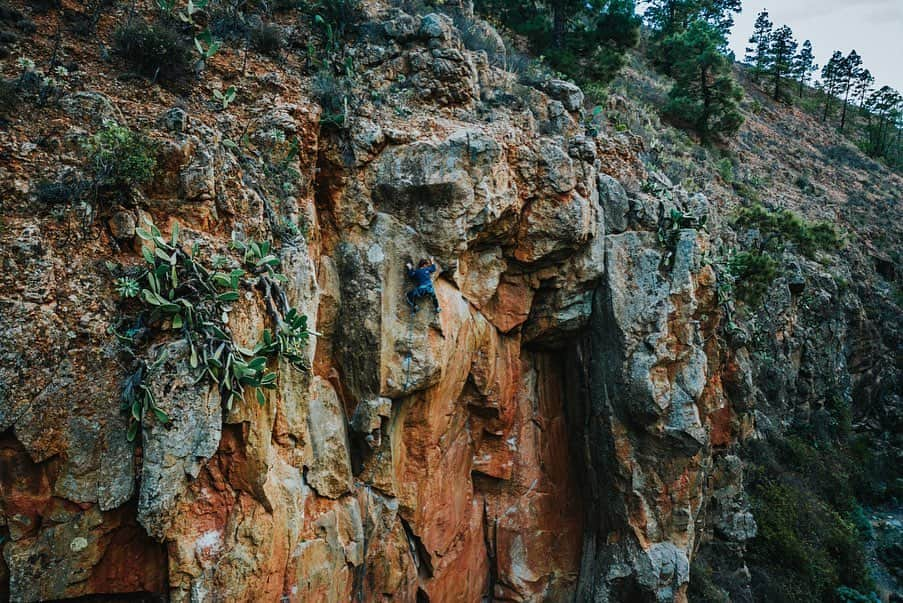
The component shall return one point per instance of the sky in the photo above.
(874, 28)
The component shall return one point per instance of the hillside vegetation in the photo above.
(667, 362)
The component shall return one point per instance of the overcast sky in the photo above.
(874, 28)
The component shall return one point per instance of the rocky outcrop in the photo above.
(563, 430)
(652, 382)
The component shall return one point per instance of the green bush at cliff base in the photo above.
(809, 548)
(702, 587)
(810, 526)
(845, 594)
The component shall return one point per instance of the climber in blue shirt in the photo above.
(422, 276)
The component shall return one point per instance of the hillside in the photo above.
(824, 395)
(662, 371)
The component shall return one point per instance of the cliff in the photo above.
(569, 427)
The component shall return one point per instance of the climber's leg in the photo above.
(409, 296)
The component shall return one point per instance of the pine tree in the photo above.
(851, 69)
(562, 12)
(672, 17)
(760, 41)
(613, 28)
(780, 58)
(585, 39)
(804, 65)
(885, 108)
(830, 76)
(862, 86)
(667, 17)
(704, 94)
(719, 14)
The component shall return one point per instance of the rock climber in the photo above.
(422, 276)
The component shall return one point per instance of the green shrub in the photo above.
(753, 273)
(341, 15)
(747, 190)
(527, 70)
(846, 594)
(808, 548)
(267, 39)
(42, 6)
(227, 22)
(850, 156)
(120, 158)
(811, 528)
(783, 226)
(804, 184)
(784, 516)
(702, 587)
(476, 37)
(285, 5)
(841, 417)
(155, 51)
(726, 170)
(332, 94)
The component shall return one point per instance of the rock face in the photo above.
(653, 381)
(561, 431)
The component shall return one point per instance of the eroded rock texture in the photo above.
(561, 431)
(483, 451)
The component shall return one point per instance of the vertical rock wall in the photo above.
(546, 437)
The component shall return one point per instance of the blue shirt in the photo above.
(421, 276)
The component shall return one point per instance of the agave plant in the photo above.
(138, 399)
(225, 98)
(181, 294)
(127, 287)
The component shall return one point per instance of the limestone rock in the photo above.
(367, 140)
(175, 120)
(329, 471)
(404, 27)
(91, 106)
(175, 452)
(122, 225)
(554, 224)
(565, 429)
(369, 414)
(614, 201)
(569, 94)
(198, 179)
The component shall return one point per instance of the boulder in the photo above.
(570, 95)
(615, 203)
